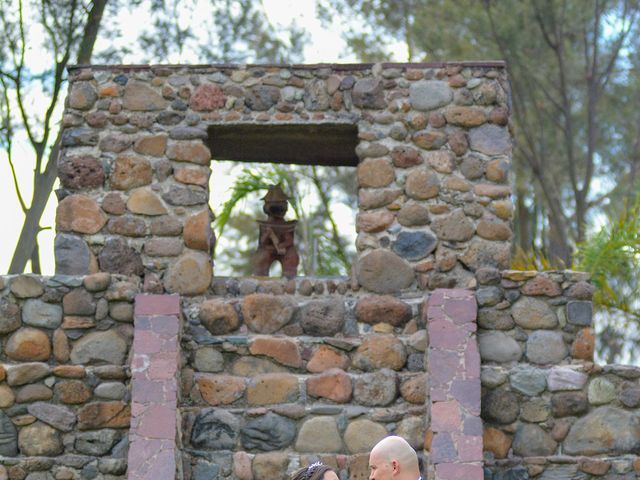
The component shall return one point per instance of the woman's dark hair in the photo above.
(315, 471)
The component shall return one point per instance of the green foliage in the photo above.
(612, 257)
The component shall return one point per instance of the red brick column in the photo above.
(154, 387)
(454, 386)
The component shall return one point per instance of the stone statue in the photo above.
(276, 242)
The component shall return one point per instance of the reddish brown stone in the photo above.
(218, 317)
(458, 143)
(96, 119)
(197, 231)
(131, 171)
(83, 171)
(325, 358)
(145, 201)
(272, 388)
(465, 116)
(418, 121)
(594, 466)
(220, 389)
(72, 392)
(118, 257)
(266, 313)
(499, 116)
(497, 170)
(454, 226)
(60, 346)
(110, 90)
(429, 140)
(28, 344)
(283, 350)
(437, 120)
(581, 291)
(492, 191)
(68, 371)
(380, 351)
(493, 229)
(584, 345)
(414, 390)
(194, 152)
(333, 384)
(163, 247)
(190, 275)
(541, 285)
(192, 176)
(113, 203)
(383, 308)
(405, 157)
(372, 222)
(138, 96)
(153, 145)
(128, 226)
(496, 441)
(422, 185)
(79, 213)
(72, 322)
(375, 172)
(104, 415)
(207, 97)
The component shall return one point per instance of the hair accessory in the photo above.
(312, 468)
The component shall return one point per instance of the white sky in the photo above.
(325, 45)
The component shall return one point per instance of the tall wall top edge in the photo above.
(334, 66)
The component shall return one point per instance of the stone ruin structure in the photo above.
(135, 361)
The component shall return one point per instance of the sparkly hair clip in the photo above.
(312, 468)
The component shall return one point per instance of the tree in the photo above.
(564, 59)
(70, 30)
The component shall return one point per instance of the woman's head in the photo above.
(315, 471)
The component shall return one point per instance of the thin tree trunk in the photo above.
(43, 181)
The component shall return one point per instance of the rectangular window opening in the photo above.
(315, 166)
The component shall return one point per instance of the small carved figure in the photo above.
(276, 242)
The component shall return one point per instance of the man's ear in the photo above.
(395, 466)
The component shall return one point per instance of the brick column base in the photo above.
(153, 452)
(453, 364)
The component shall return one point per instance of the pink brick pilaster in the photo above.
(153, 451)
(453, 363)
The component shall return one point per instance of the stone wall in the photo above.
(432, 153)
(273, 381)
(64, 375)
(548, 411)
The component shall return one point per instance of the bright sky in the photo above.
(325, 45)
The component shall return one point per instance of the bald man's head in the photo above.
(393, 458)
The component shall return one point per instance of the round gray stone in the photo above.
(319, 434)
(382, 271)
(111, 390)
(498, 347)
(100, 347)
(546, 347)
(604, 430)
(375, 389)
(429, 94)
(208, 359)
(40, 314)
(322, 318)
(527, 380)
(532, 441)
(488, 296)
(414, 245)
(533, 314)
(601, 391)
